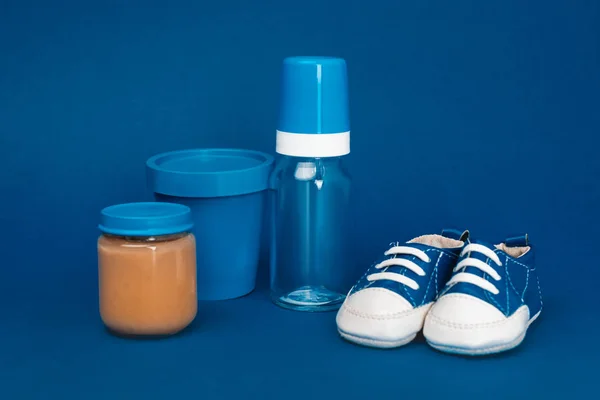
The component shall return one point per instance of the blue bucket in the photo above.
(226, 191)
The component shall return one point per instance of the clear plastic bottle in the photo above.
(310, 249)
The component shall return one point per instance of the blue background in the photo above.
(473, 114)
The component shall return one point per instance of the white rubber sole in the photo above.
(381, 344)
(482, 351)
(378, 317)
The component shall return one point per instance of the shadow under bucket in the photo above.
(226, 191)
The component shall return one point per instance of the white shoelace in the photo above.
(473, 262)
(412, 266)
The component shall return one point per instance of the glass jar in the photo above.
(147, 268)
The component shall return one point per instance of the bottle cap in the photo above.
(146, 219)
(313, 116)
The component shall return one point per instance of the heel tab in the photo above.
(518, 241)
(456, 234)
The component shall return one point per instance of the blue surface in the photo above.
(145, 219)
(314, 95)
(209, 172)
(482, 115)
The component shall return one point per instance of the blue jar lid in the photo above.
(314, 96)
(209, 172)
(146, 219)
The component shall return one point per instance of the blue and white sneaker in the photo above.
(387, 306)
(490, 301)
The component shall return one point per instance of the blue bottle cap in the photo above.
(146, 219)
(314, 96)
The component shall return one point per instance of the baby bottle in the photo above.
(310, 251)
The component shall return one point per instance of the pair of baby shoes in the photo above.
(469, 297)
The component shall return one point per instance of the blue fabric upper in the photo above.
(437, 272)
(519, 284)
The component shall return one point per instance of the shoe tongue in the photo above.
(479, 256)
(406, 244)
(419, 246)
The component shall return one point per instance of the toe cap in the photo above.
(377, 302)
(470, 325)
(463, 309)
(380, 314)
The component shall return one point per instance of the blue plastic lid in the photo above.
(146, 219)
(209, 172)
(314, 95)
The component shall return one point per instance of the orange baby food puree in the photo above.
(147, 286)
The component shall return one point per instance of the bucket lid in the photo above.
(146, 219)
(209, 172)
